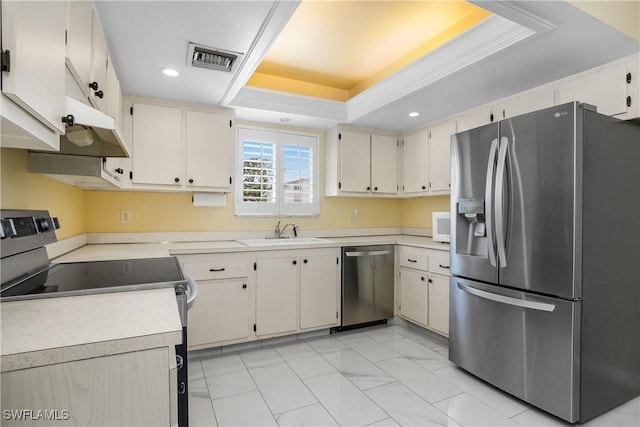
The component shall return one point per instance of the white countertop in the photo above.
(54, 330)
(100, 252)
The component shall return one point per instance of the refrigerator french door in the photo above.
(537, 288)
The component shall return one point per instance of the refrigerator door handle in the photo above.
(488, 197)
(500, 225)
(540, 306)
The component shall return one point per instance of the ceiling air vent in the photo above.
(212, 58)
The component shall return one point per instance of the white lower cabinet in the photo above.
(276, 295)
(297, 290)
(423, 287)
(132, 388)
(256, 295)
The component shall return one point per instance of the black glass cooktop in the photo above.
(80, 278)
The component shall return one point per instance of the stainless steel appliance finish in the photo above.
(28, 274)
(367, 285)
(544, 258)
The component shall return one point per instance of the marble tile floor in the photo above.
(380, 376)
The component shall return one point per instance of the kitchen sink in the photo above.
(283, 242)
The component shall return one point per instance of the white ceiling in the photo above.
(527, 43)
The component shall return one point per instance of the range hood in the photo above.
(90, 132)
(86, 172)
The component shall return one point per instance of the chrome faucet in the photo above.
(278, 232)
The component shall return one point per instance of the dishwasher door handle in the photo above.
(367, 253)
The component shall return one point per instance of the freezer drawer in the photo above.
(523, 343)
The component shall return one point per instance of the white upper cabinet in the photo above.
(605, 88)
(360, 163)
(439, 157)
(79, 42)
(426, 160)
(99, 55)
(182, 149)
(157, 145)
(415, 160)
(531, 101)
(474, 119)
(207, 149)
(355, 164)
(33, 37)
(384, 164)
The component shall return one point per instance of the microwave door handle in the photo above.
(488, 196)
(500, 224)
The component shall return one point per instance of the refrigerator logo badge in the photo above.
(561, 113)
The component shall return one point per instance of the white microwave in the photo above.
(441, 226)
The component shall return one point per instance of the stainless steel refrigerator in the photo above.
(545, 258)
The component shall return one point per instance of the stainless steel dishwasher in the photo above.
(367, 285)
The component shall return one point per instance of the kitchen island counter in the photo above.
(48, 331)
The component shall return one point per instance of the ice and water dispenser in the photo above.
(471, 227)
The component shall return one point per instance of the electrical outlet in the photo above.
(125, 216)
(354, 216)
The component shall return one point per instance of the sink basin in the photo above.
(283, 242)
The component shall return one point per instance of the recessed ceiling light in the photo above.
(414, 114)
(169, 72)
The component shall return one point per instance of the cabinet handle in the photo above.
(424, 187)
(295, 262)
(100, 94)
(443, 266)
(368, 188)
(119, 170)
(375, 188)
(430, 281)
(93, 85)
(214, 270)
(244, 286)
(412, 260)
(176, 179)
(190, 180)
(422, 278)
(305, 261)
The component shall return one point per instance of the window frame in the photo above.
(279, 208)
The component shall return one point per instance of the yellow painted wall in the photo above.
(622, 15)
(20, 189)
(416, 212)
(175, 212)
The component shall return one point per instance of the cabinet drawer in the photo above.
(217, 269)
(414, 259)
(439, 265)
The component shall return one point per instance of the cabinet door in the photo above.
(355, 162)
(79, 41)
(33, 33)
(222, 312)
(99, 53)
(474, 120)
(606, 89)
(207, 150)
(415, 159)
(384, 164)
(440, 156)
(277, 295)
(527, 103)
(157, 145)
(319, 283)
(414, 296)
(439, 303)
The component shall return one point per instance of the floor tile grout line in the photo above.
(215, 417)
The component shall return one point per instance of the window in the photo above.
(277, 173)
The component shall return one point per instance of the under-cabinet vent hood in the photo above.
(90, 132)
(212, 58)
(81, 171)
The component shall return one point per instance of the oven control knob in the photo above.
(43, 225)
